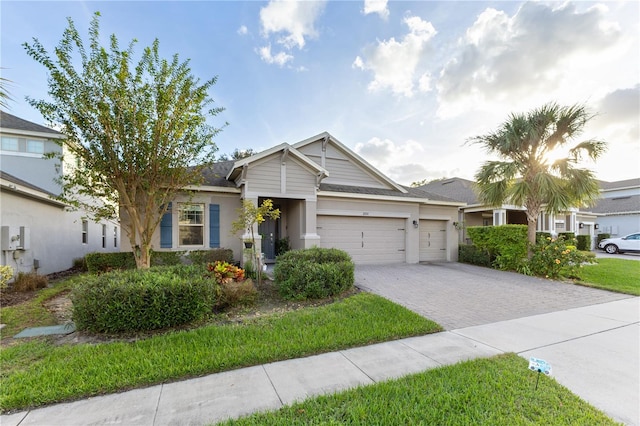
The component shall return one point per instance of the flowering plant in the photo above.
(224, 272)
(553, 258)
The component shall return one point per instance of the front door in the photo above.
(269, 229)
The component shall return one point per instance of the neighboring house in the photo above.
(619, 209)
(38, 233)
(328, 197)
(478, 214)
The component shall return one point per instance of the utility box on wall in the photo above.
(25, 238)
(9, 238)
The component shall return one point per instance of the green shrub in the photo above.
(282, 246)
(468, 253)
(601, 237)
(584, 242)
(6, 273)
(105, 262)
(29, 281)
(507, 244)
(543, 235)
(211, 256)
(569, 236)
(137, 300)
(237, 293)
(166, 258)
(555, 258)
(313, 273)
(80, 263)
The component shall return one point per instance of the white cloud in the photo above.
(394, 63)
(521, 61)
(280, 58)
(295, 20)
(424, 84)
(376, 6)
(243, 30)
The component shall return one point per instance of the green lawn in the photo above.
(39, 372)
(493, 391)
(619, 275)
(31, 313)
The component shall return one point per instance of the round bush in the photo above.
(136, 300)
(313, 273)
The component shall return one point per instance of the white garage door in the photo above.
(433, 240)
(366, 239)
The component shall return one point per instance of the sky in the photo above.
(404, 84)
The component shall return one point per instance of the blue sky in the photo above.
(402, 83)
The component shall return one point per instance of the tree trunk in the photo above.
(143, 256)
(531, 235)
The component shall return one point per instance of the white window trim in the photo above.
(203, 225)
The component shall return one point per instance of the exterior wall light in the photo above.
(581, 225)
(415, 223)
(596, 226)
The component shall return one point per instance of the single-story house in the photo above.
(328, 197)
(475, 213)
(618, 210)
(39, 233)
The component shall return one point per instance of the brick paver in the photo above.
(458, 295)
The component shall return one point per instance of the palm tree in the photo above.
(5, 97)
(526, 176)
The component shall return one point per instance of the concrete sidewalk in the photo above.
(593, 350)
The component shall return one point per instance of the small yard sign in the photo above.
(541, 366)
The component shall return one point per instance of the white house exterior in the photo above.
(328, 197)
(37, 232)
(619, 208)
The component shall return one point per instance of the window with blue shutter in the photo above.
(214, 225)
(166, 239)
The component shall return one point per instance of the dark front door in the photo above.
(269, 229)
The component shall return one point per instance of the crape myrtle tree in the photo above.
(525, 175)
(137, 130)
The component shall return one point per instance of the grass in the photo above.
(619, 275)
(31, 313)
(38, 372)
(494, 391)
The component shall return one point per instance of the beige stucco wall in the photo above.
(228, 203)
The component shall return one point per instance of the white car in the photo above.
(629, 242)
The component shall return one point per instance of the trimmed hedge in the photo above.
(584, 242)
(474, 256)
(602, 236)
(507, 244)
(313, 273)
(138, 300)
(105, 262)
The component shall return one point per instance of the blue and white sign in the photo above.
(539, 365)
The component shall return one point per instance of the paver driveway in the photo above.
(458, 295)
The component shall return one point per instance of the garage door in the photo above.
(433, 240)
(366, 239)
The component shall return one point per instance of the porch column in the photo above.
(309, 232)
(499, 217)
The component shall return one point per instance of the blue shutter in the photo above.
(214, 225)
(166, 236)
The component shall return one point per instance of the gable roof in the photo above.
(618, 205)
(455, 188)
(237, 166)
(353, 156)
(11, 122)
(620, 184)
(26, 189)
